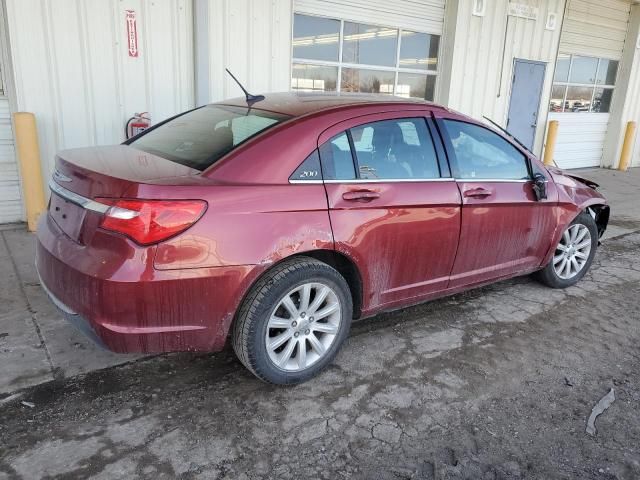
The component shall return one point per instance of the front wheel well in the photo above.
(600, 214)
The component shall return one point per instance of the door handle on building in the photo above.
(360, 195)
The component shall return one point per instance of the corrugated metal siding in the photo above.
(581, 139)
(595, 28)
(477, 87)
(421, 15)
(73, 71)
(10, 194)
(253, 40)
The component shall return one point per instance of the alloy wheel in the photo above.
(572, 252)
(303, 326)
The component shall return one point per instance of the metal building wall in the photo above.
(481, 74)
(420, 15)
(252, 38)
(72, 68)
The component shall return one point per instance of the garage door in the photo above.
(375, 46)
(591, 45)
(10, 198)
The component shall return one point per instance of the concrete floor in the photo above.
(494, 383)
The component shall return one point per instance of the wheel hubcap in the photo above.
(572, 252)
(303, 326)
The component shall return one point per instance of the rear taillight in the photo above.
(150, 221)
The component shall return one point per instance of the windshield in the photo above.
(199, 138)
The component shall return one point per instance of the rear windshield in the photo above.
(199, 138)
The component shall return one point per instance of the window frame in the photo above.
(444, 168)
(453, 159)
(593, 86)
(361, 66)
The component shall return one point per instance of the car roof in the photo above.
(297, 104)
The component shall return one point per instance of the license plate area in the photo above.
(68, 216)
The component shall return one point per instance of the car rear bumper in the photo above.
(110, 291)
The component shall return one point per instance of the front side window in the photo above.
(201, 137)
(483, 154)
(583, 84)
(336, 55)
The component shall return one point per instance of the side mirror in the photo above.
(540, 186)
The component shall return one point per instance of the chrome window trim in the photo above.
(411, 180)
(76, 199)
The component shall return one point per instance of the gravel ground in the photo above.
(494, 383)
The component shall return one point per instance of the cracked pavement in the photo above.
(495, 383)
(472, 386)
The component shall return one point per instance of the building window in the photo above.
(583, 84)
(337, 55)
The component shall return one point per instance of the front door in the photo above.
(393, 206)
(528, 80)
(505, 230)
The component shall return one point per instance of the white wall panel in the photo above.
(581, 139)
(252, 38)
(596, 28)
(482, 50)
(72, 67)
(10, 193)
(421, 15)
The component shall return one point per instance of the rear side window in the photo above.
(483, 154)
(395, 149)
(199, 138)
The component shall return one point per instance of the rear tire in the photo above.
(293, 321)
(573, 255)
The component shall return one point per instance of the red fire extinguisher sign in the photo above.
(132, 32)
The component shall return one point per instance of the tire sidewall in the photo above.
(261, 361)
(583, 219)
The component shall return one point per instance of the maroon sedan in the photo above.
(276, 223)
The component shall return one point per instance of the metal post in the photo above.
(30, 166)
(550, 146)
(627, 146)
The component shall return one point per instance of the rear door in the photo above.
(504, 230)
(393, 205)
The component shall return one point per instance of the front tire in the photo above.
(573, 255)
(293, 321)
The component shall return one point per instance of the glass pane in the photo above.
(562, 69)
(310, 78)
(367, 81)
(416, 86)
(369, 45)
(557, 97)
(309, 169)
(395, 149)
(316, 38)
(480, 153)
(607, 72)
(337, 162)
(201, 137)
(602, 100)
(578, 99)
(583, 70)
(419, 51)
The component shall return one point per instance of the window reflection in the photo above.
(557, 98)
(316, 38)
(578, 99)
(419, 51)
(309, 78)
(369, 45)
(416, 86)
(583, 70)
(607, 72)
(602, 100)
(367, 81)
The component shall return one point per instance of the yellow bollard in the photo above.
(30, 167)
(550, 146)
(627, 146)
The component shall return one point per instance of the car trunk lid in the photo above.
(82, 176)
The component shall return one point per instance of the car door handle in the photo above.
(477, 193)
(360, 195)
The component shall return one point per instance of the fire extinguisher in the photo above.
(137, 124)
